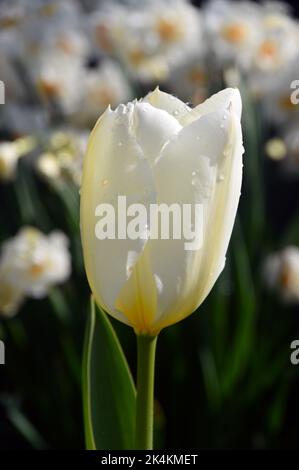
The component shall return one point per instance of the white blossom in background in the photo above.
(52, 36)
(10, 152)
(11, 17)
(280, 35)
(8, 161)
(189, 81)
(62, 159)
(275, 62)
(70, 42)
(30, 263)
(58, 79)
(290, 138)
(276, 95)
(55, 46)
(234, 31)
(281, 273)
(80, 92)
(148, 37)
(276, 149)
(48, 167)
(11, 298)
(102, 85)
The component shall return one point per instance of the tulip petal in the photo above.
(220, 100)
(153, 128)
(212, 148)
(138, 296)
(114, 165)
(171, 104)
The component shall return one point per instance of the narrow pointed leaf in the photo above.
(109, 396)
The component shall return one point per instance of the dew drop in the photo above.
(122, 109)
(105, 182)
(221, 178)
(175, 112)
(222, 125)
(119, 144)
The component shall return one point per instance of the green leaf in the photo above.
(242, 343)
(109, 397)
(22, 423)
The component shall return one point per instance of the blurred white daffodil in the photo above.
(63, 157)
(30, 263)
(290, 139)
(58, 80)
(281, 272)
(159, 150)
(8, 160)
(234, 31)
(190, 80)
(280, 36)
(10, 152)
(11, 297)
(150, 38)
(102, 85)
(279, 105)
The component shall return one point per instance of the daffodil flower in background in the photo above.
(281, 273)
(61, 160)
(10, 152)
(149, 38)
(159, 150)
(30, 263)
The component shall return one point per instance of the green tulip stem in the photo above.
(146, 349)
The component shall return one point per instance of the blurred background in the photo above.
(224, 375)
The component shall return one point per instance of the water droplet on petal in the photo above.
(105, 182)
(122, 109)
(159, 283)
(119, 144)
(175, 112)
(221, 178)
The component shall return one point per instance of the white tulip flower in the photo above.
(159, 150)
